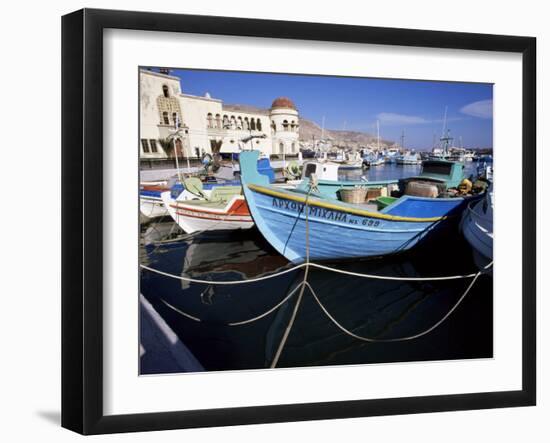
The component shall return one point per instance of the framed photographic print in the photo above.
(305, 221)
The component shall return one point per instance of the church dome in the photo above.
(283, 102)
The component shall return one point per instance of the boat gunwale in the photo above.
(341, 207)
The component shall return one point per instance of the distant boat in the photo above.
(477, 226)
(373, 160)
(338, 230)
(408, 158)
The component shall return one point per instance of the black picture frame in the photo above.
(82, 189)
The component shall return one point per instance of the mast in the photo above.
(445, 137)
(378, 135)
(403, 139)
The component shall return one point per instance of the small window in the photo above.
(285, 125)
(165, 118)
(175, 118)
(153, 144)
(165, 91)
(209, 121)
(258, 125)
(144, 145)
(310, 169)
(252, 124)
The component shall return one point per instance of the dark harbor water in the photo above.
(369, 308)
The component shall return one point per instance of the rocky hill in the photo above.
(310, 130)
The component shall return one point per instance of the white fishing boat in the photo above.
(224, 209)
(409, 158)
(477, 226)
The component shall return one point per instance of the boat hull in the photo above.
(151, 207)
(477, 227)
(335, 233)
(195, 217)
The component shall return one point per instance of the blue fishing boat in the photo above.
(338, 230)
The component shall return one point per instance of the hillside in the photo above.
(310, 130)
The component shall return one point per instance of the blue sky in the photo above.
(417, 107)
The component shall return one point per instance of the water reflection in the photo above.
(372, 308)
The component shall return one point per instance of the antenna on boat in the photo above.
(377, 135)
(403, 139)
(445, 138)
(444, 123)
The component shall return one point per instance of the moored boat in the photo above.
(225, 209)
(338, 230)
(477, 227)
(408, 158)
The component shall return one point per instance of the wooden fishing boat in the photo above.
(338, 230)
(225, 209)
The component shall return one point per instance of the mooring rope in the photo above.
(303, 265)
(397, 339)
(302, 289)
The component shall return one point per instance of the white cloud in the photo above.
(390, 118)
(480, 109)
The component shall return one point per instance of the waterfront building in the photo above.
(207, 124)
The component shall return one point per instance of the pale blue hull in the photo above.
(337, 230)
(332, 234)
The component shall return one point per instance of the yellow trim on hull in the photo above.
(334, 206)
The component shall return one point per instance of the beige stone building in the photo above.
(207, 124)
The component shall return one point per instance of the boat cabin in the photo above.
(323, 171)
(442, 171)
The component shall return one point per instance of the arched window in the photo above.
(240, 122)
(165, 118)
(292, 125)
(209, 121)
(252, 124)
(281, 148)
(175, 118)
(285, 125)
(225, 122)
(233, 124)
(246, 124)
(165, 91)
(218, 121)
(273, 127)
(258, 125)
